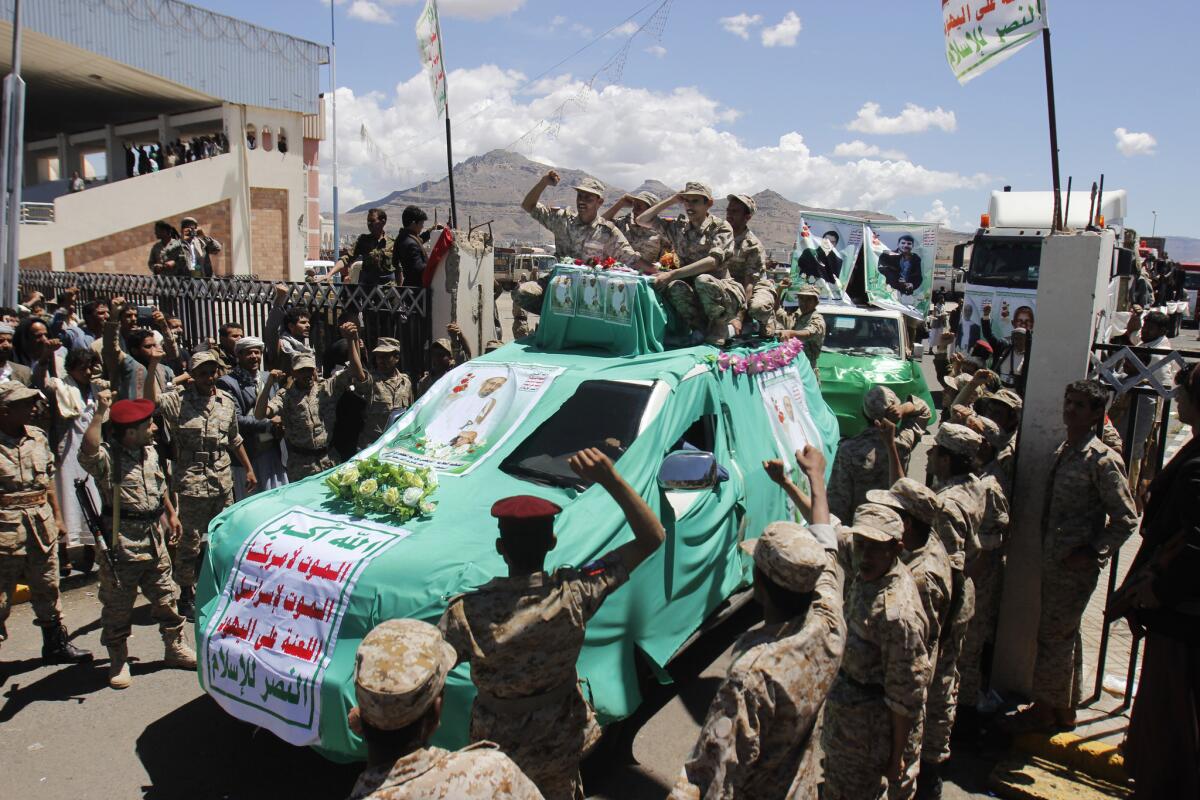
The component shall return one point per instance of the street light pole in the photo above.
(337, 240)
(11, 165)
(1154, 227)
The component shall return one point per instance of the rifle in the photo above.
(95, 524)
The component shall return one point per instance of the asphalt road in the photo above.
(65, 734)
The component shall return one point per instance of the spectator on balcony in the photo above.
(77, 184)
(191, 255)
(167, 236)
(9, 369)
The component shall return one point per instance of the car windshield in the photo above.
(1013, 263)
(601, 414)
(857, 335)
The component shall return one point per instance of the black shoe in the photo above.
(57, 650)
(187, 603)
(929, 782)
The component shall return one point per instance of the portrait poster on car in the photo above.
(264, 651)
(469, 412)
(826, 249)
(898, 263)
(591, 288)
(561, 294)
(786, 403)
(991, 314)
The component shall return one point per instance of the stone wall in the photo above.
(127, 252)
(269, 239)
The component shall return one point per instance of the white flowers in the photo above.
(412, 496)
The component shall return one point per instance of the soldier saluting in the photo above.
(136, 496)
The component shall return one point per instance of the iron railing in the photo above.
(204, 304)
(37, 213)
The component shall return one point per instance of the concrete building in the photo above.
(111, 85)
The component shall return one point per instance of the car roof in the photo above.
(858, 311)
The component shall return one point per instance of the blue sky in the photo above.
(710, 99)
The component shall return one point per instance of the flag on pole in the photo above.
(981, 35)
(429, 45)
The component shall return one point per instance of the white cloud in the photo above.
(939, 213)
(1133, 143)
(368, 11)
(784, 34)
(621, 134)
(656, 50)
(913, 119)
(860, 149)
(741, 24)
(559, 20)
(624, 29)
(581, 29)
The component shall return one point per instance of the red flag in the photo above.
(439, 251)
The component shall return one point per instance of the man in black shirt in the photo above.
(409, 253)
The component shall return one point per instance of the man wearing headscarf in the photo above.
(260, 436)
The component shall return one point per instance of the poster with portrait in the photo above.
(619, 293)
(826, 249)
(467, 414)
(898, 263)
(786, 404)
(991, 314)
(560, 294)
(590, 302)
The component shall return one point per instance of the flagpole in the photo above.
(449, 153)
(337, 242)
(1058, 220)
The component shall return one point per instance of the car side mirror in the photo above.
(688, 469)
(918, 350)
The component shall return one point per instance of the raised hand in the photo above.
(776, 470)
(592, 465)
(811, 460)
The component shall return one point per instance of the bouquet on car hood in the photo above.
(377, 487)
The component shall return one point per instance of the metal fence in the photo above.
(204, 304)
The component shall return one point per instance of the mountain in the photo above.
(489, 188)
(1183, 248)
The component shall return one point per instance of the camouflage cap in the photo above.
(303, 361)
(909, 496)
(1008, 397)
(183, 223)
(878, 523)
(878, 400)
(698, 188)
(399, 670)
(958, 439)
(443, 343)
(202, 357)
(385, 344)
(991, 432)
(492, 344)
(808, 290)
(745, 200)
(789, 555)
(15, 392)
(591, 186)
(649, 198)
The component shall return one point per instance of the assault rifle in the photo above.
(95, 524)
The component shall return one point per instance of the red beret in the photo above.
(524, 508)
(984, 344)
(131, 412)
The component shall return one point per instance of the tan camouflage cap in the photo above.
(649, 198)
(492, 344)
(399, 670)
(877, 523)
(201, 357)
(15, 392)
(808, 290)
(698, 188)
(1008, 397)
(385, 344)
(991, 432)
(303, 361)
(591, 186)
(909, 496)
(958, 439)
(878, 400)
(745, 200)
(788, 555)
(443, 343)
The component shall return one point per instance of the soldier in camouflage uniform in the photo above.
(747, 265)
(699, 289)
(305, 410)
(808, 325)
(1089, 513)
(873, 712)
(862, 461)
(203, 425)
(30, 520)
(584, 235)
(385, 389)
(523, 633)
(647, 243)
(375, 249)
(137, 544)
(763, 721)
(399, 674)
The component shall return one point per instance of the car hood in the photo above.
(845, 379)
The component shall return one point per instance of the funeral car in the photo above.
(295, 577)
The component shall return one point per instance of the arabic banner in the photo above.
(429, 47)
(467, 414)
(264, 651)
(898, 265)
(980, 35)
(786, 403)
(826, 248)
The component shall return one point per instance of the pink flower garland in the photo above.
(765, 361)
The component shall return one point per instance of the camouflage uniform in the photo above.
(522, 636)
(763, 721)
(710, 298)
(812, 325)
(376, 256)
(203, 431)
(307, 420)
(861, 463)
(647, 243)
(885, 668)
(28, 535)
(400, 670)
(573, 238)
(987, 577)
(139, 549)
(1088, 504)
(747, 266)
(383, 395)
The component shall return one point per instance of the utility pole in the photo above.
(1154, 227)
(11, 167)
(337, 239)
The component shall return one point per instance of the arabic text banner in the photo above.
(898, 265)
(980, 35)
(826, 249)
(264, 652)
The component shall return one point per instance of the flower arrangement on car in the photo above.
(766, 361)
(377, 487)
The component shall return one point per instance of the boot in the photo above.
(118, 666)
(57, 650)
(176, 652)
(187, 603)
(929, 781)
